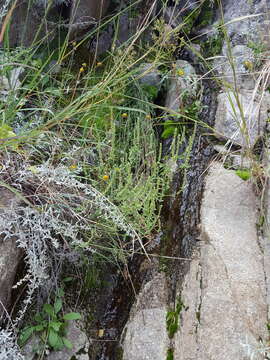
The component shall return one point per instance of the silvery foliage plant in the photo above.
(56, 218)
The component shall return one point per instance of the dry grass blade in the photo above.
(7, 18)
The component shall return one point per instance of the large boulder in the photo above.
(145, 335)
(225, 292)
(241, 118)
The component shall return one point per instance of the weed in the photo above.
(259, 50)
(213, 45)
(50, 325)
(170, 355)
(172, 319)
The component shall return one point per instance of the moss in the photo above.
(244, 174)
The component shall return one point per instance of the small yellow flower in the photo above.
(105, 177)
(84, 64)
(148, 117)
(248, 65)
(180, 72)
(124, 115)
(81, 69)
(99, 63)
(73, 167)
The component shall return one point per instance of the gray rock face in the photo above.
(149, 75)
(126, 28)
(29, 23)
(84, 13)
(183, 80)
(242, 124)
(145, 335)
(241, 28)
(265, 240)
(10, 255)
(242, 55)
(225, 289)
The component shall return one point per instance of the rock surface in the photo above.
(183, 81)
(243, 62)
(85, 13)
(242, 123)
(29, 24)
(10, 255)
(225, 290)
(41, 20)
(265, 239)
(149, 75)
(145, 335)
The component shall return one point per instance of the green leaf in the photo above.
(68, 279)
(45, 80)
(57, 305)
(49, 309)
(6, 131)
(60, 292)
(67, 343)
(39, 327)
(26, 333)
(55, 325)
(38, 318)
(53, 91)
(53, 338)
(168, 131)
(72, 316)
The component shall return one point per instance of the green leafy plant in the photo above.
(170, 354)
(50, 325)
(172, 319)
(170, 128)
(150, 91)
